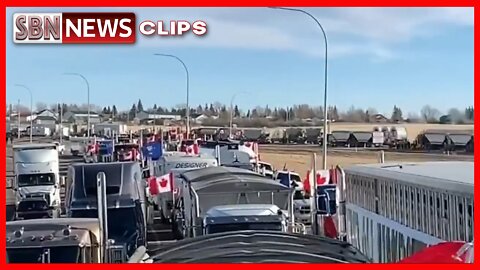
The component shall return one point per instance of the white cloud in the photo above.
(351, 31)
(374, 32)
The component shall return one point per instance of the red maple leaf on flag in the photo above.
(163, 182)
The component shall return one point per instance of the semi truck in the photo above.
(71, 240)
(227, 195)
(37, 181)
(178, 164)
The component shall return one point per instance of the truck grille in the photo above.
(117, 254)
(304, 209)
(39, 196)
(32, 205)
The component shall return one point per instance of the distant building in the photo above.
(43, 113)
(23, 117)
(45, 120)
(198, 118)
(378, 118)
(81, 117)
(144, 117)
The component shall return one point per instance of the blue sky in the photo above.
(378, 57)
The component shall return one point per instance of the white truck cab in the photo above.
(266, 169)
(179, 163)
(37, 181)
(60, 148)
(302, 205)
(301, 201)
(293, 176)
(239, 217)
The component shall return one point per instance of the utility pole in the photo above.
(18, 118)
(61, 123)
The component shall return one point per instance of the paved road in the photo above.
(157, 233)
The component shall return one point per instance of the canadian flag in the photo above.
(192, 149)
(161, 184)
(322, 177)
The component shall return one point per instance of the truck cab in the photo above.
(37, 181)
(266, 169)
(295, 177)
(302, 205)
(179, 163)
(125, 202)
(63, 240)
(223, 192)
(60, 148)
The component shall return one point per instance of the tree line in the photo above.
(222, 112)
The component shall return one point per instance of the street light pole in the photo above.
(325, 117)
(188, 91)
(18, 119)
(31, 109)
(88, 99)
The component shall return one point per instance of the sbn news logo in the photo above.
(90, 28)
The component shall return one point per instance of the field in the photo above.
(299, 158)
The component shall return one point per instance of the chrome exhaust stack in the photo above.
(102, 215)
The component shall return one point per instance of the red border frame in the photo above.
(238, 3)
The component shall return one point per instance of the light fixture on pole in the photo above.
(88, 99)
(188, 91)
(325, 116)
(31, 109)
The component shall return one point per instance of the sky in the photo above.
(377, 57)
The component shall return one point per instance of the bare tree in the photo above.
(22, 109)
(413, 117)
(372, 111)
(217, 106)
(41, 106)
(354, 115)
(53, 107)
(456, 116)
(430, 114)
(181, 106)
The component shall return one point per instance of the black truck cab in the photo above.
(126, 202)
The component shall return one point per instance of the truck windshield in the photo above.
(69, 254)
(298, 195)
(36, 179)
(293, 177)
(266, 166)
(219, 228)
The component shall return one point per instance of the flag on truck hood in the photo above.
(106, 147)
(153, 150)
(161, 184)
(192, 149)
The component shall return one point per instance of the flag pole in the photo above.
(172, 185)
